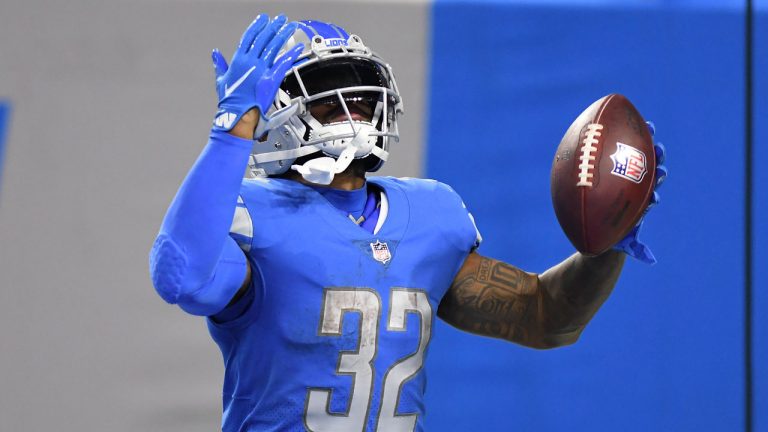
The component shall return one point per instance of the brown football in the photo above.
(603, 174)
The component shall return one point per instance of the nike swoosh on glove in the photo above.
(631, 244)
(253, 77)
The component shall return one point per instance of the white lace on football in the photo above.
(588, 147)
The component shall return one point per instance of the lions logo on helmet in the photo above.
(336, 70)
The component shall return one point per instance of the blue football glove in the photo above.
(252, 80)
(631, 244)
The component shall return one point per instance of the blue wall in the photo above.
(5, 114)
(666, 352)
(760, 216)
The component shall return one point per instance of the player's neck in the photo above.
(347, 182)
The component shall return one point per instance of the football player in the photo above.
(320, 286)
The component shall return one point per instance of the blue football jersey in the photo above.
(336, 337)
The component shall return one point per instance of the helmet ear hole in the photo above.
(307, 129)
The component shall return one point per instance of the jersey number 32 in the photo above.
(359, 364)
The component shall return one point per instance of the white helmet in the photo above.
(335, 68)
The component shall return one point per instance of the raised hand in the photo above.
(631, 244)
(252, 79)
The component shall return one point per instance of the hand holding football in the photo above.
(603, 174)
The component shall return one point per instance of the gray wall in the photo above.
(112, 102)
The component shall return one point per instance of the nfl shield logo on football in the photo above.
(381, 252)
(628, 163)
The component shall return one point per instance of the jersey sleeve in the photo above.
(453, 216)
(241, 232)
(478, 238)
(242, 225)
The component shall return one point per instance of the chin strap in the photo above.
(322, 170)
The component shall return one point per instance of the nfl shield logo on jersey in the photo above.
(628, 163)
(381, 252)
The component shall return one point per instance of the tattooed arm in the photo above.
(492, 298)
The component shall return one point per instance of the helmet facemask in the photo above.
(337, 104)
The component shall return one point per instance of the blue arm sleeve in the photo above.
(194, 262)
